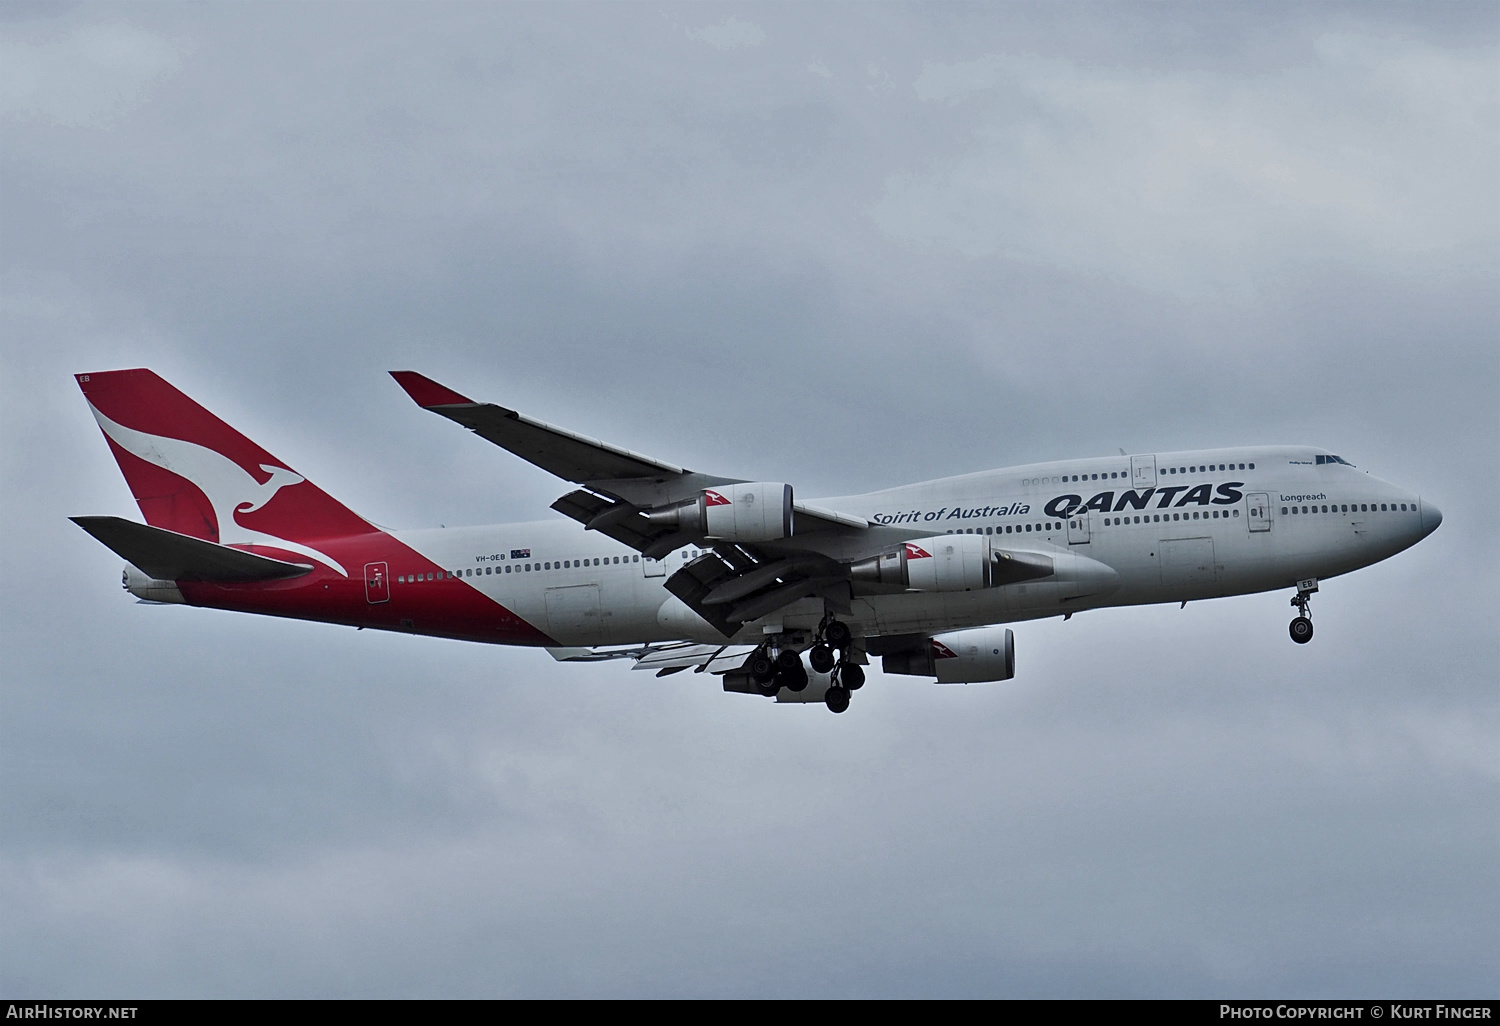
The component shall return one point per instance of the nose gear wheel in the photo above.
(1301, 628)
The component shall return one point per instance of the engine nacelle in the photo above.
(951, 562)
(756, 511)
(975, 656)
(149, 588)
(946, 562)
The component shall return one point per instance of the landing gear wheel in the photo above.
(821, 657)
(1301, 628)
(762, 669)
(787, 661)
(836, 634)
(852, 677)
(837, 699)
(793, 680)
(769, 689)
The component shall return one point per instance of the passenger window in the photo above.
(1283, 511)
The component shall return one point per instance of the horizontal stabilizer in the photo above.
(169, 556)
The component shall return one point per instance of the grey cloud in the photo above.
(724, 259)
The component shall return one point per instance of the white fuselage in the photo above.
(1121, 531)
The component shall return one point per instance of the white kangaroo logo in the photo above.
(229, 487)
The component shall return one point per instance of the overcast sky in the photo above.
(846, 246)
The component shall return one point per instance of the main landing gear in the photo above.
(773, 670)
(1301, 628)
(846, 676)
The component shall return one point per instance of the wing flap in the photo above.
(814, 518)
(169, 556)
(730, 586)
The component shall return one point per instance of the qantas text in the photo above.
(1064, 506)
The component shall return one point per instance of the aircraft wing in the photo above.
(667, 659)
(739, 583)
(572, 457)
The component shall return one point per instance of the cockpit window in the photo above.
(1333, 459)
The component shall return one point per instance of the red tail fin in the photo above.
(192, 473)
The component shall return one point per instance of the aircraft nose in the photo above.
(1431, 517)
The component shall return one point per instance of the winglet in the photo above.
(427, 393)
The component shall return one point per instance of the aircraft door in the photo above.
(377, 583)
(653, 567)
(1078, 528)
(1258, 505)
(1143, 471)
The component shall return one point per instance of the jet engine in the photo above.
(974, 656)
(950, 562)
(756, 511)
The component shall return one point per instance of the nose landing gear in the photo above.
(1301, 628)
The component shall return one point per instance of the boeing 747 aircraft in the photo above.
(677, 570)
